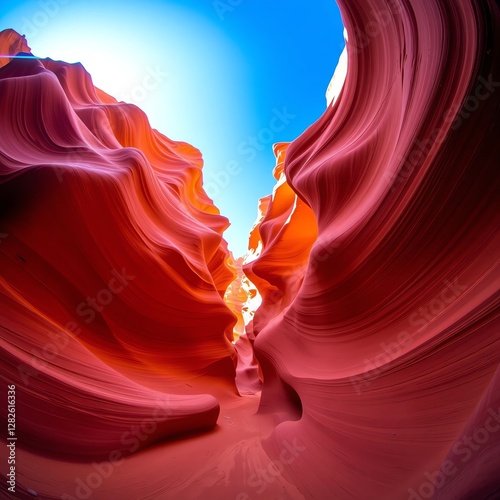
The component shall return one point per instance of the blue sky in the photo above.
(230, 77)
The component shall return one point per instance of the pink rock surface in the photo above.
(391, 341)
(380, 357)
(282, 240)
(113, 267)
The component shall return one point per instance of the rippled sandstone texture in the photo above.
(384, 364)
(376, 258)
(279, 246)
(113, 266)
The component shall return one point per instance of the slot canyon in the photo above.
(352, 353)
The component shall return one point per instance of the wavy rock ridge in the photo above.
(113, 264)
(387, 354)
(376, 259)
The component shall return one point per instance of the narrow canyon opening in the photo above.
(352, 353)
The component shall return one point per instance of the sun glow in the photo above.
(154, 62)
